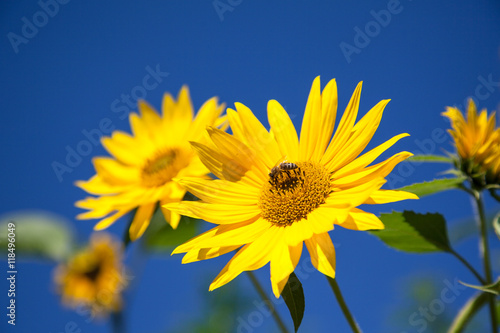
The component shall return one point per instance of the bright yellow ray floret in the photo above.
(139, 174)
(276, 192)
(477, 140)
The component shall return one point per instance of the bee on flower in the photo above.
(266, 208)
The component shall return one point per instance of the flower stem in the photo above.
(469, 266)
(350, 319)
(264, 297)
(117, 322)
(485, 253)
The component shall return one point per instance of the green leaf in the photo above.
(496, 225)
(161, 237)
(37, 234)
(493, 288)
(434, 186)
(293, 294)
(412, 232)
(430, 158)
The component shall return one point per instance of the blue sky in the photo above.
(66, 80)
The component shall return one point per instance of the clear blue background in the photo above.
(65, 78)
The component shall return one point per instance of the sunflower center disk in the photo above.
(162, 168)
(93, 272)
(293, 191)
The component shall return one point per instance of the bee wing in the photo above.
(281, 160)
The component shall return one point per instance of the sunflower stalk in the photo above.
(266, 300)
(469, 266)
(117, 322)
(485, 254)
(340, 299)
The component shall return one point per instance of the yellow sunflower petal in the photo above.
(311, 124)
(283, 130)
(141, 220)
(258, 137)
(360, 220)
(322, 219)
(115, 172)
(202, 254)
(381, 169)
(96, 185)
(250, 257)
(208, 114)
(149, 115)
(104, 223)
(386, 196)
(345, 126)
(122, 151)
(242, 154)
(215, 213)
(177, 116)
(283, 262)
(175, 195)
(329, 104)
(362, 133)
(322, 253)
(355, 195)
(219, 164)
(297, 232)
(236, 125)
(368, 157)
(216, 191)
(235, 234)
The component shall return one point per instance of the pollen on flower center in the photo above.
(163, 167)
(293, 191)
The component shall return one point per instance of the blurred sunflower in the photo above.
(93, 277)
(478, 144)
(276, 192)
(139, 175)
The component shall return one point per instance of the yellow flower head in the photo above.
(94, 277)
(478, 144)
(276, 192)
(140, 173)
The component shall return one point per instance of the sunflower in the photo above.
(94, 277)
(276, 192)
(478, 144)
(140, 173)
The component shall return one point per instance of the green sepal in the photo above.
(430, 158)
